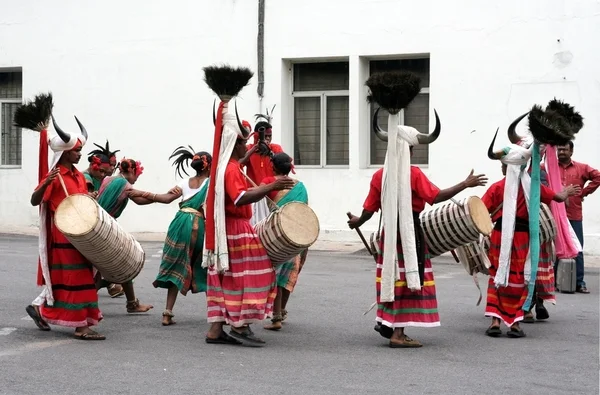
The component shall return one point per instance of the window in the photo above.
(321, 115)
(415, 115)
(11, 91)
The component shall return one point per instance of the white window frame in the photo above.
(2, 101)
(323, 95)
(401, 114)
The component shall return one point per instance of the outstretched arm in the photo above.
(571, 190)
(246, 158)
(470, 182)
(357, 222)
(253, 195)
(143, 198)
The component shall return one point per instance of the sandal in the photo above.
(275, 323)
(515, 333)
(407, 342)
(91, 335)
(247, 338)
(115, 290)
(168, 318)
(37, 318)
(528, 318)
(135, 307)
(493, 331)
(284, 315)
(541, 313)
(223, 338)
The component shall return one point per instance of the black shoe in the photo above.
(493, 331)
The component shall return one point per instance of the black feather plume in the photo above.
(268, 117)
(35, 115)
(227, 81)
(549, 127)
(103, 151)
(568, 112)
(183, 156)
(393, 90)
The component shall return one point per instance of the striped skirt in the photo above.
(73, 287)
(418, 308)
(506, 303)
(544, 282)
(245, 293)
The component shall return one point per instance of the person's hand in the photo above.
(478, 180)
(263, 148)
(283, 183)
(573, 190)
(51, 176)
(353, 222)
(93, 195)
(175, 191)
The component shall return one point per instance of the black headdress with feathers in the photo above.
(268, 117)
(185, 156)
(35, 114)
(102, 151)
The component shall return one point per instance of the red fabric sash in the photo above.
(210, 203)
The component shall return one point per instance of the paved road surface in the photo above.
(327, 345)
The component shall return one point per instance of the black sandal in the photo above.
(37, 319)
(384, 331)
(541, 313)
(247, 338)
(223, 338)
(493, 331)
(515, 333)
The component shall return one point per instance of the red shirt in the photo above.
(576, 173)
(235, 186)
(423, 191)
(267, 181)
(494, 196)
(74, 183)
(258, 166)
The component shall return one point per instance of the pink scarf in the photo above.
(566, 247)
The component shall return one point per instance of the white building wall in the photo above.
(132, 72)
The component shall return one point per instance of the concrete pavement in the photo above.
(327, 345)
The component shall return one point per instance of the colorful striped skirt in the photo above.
(287, 273)
(73, 286)
(506, 303)
(181, 263)
(418, 308)
(245, 293)
(544, 282)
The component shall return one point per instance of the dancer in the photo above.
(287, 273)
(113, 197)
(181, 264)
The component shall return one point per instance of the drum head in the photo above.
(480, 215)
(299, 223)
(77, 215)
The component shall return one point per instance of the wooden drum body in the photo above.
(547, 224)
(455, 224)
(99, 238)
(474, 257)
(288, 231)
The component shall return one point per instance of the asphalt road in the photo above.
(327, 345)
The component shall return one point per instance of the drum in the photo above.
(547, 224)
(99, 238)
(455, 224)
(288, 231)
(474, 257)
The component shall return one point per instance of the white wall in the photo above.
(132, 72)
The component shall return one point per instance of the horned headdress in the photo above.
(35, 115)
(555, 125)
(226, 82)
(394, 91)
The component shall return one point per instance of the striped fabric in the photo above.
(75, 295)
(544, 283)
(244, 294)
(506, 303)
(292, 278)
(409, 308)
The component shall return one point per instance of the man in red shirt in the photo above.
(418, 308)
(575, 173)
(258, 158)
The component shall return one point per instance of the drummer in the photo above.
(241, 283)
(417, 308)
(113, 196)
(69, 298)
(287, 273)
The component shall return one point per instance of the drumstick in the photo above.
(455, 256)
(360, 234)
